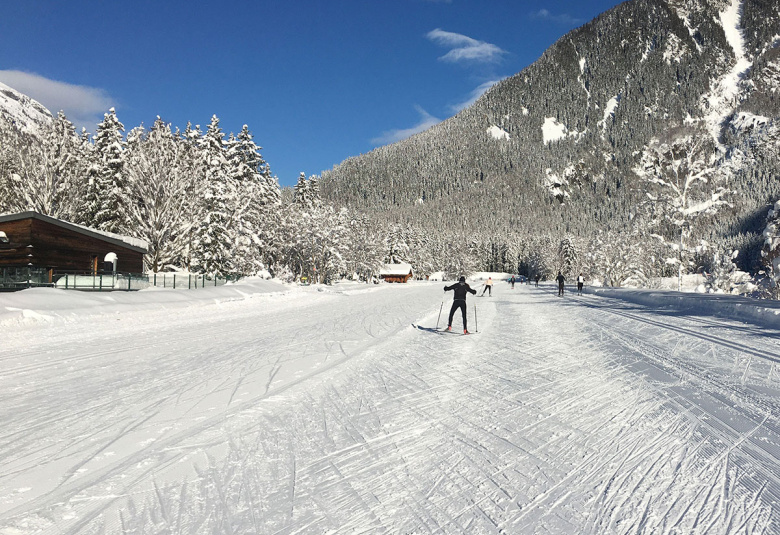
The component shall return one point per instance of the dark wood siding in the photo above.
(396, 278)
(57, 247)
(19, 235)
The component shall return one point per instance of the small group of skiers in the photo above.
(561, 279)
(461, 289)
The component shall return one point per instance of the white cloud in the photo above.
(464, 48)
(563, 18)
(473, 96)
(83, 105)
(391, 136)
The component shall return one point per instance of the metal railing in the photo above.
(18, 278)
(101, 281)
(188, 281)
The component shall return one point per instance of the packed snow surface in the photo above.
(263, 408)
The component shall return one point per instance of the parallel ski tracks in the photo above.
(758, 454)
(770, 356)
(131, 468)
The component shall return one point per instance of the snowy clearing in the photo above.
(261, 408)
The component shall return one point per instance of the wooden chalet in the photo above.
(396, 272)
(34, 240)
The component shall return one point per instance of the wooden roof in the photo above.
(134, 244)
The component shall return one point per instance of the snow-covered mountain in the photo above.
(23, 112)
(574, 125)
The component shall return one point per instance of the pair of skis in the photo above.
(476, 323)
(436, 330)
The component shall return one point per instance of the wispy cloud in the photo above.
(564, 19)
(83, 105)
(464, 48)
(473, 96)
(391, 136)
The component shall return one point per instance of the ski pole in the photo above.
(476, 323)
(437, 319)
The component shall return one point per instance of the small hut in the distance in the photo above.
(396, 272)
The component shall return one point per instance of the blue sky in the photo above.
(317, 81)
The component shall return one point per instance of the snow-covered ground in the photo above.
(263, 408)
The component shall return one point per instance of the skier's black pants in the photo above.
(455, 305)
(560, 288)
(489, 290)
(579, 287)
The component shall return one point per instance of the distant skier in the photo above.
(488, 287)
(580, 283)
(459, 301)
(537, 279)
(512, 282)
(561, 279)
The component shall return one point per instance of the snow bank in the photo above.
(762, 312)
(50, 304)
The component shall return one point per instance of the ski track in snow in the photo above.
(329, 412)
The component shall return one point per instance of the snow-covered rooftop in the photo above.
(395, 269)
(137, 243)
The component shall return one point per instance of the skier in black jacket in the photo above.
(459, 301)
(561, 279)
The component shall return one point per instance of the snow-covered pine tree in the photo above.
(364, 247)
(214, 242)
(258, 194)
(568, 257)
(299, 190)
(722, 275)
(69, 159)
(456, 261)
(103, 204)
(314, 189)
(396, 246)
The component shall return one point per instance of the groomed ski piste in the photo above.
(264, 408)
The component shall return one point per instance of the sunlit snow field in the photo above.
(265, 408)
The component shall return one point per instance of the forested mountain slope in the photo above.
(556, 148)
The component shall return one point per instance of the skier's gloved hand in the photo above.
(445, 288)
